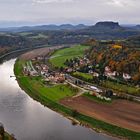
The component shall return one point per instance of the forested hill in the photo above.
(50, 27)
(133, 42)
(12, 40)
(117, 57)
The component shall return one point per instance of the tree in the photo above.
(61, 69)
(2, 131)
(136, 78)
(109, 93)
(75, 113)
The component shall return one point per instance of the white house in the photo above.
(126, 76)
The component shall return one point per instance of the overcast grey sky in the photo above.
(30, 12)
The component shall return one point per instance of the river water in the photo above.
(29, 120)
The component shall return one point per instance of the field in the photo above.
(122, 113)
(38, 52)
(85, 76)
(60, 56)
(2, 50)
(54, 93)
(38, 36)
(122, 88)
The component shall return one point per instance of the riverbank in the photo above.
(97, 125)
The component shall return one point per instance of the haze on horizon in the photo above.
(35, 12)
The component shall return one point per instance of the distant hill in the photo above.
(137, 27)
(133, 41)
(12, 40)
(108, 30)
(71, 34)
(43, 28)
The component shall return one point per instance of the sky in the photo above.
(37, 12)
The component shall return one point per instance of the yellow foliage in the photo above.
(117, 47)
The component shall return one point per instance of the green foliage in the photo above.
(84, 76)
(74, 113)
(122, 88)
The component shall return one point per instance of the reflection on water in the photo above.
(29, 120)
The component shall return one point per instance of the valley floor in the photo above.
(120, 118)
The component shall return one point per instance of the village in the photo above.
(37, 67)
(83, 64)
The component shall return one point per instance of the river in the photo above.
(29, 120)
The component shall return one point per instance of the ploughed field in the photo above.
(122, 113)
(38, 52)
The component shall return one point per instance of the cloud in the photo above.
(68, 11)
(52, 1)
(121, 3)
(116, 2)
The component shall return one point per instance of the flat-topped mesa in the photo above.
(108, 24)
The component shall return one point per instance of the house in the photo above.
(69, 70)
(107, 69)
(33, 73)
(40, 58)
(90, 71)
(95, 74)
(126, 76)
(110, 73)
(42, 73)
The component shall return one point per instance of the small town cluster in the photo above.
(37, 67)
(83, 64)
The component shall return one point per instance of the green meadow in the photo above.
(60, 56)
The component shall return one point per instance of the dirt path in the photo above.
(81, 90)
(122, 113)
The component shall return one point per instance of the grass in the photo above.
(85, 76)
(118, 131)
(25, 33)
(19, 67)
(122, 88)
(54, 93)
(39, 36)
(60, 56)
(47, 99)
